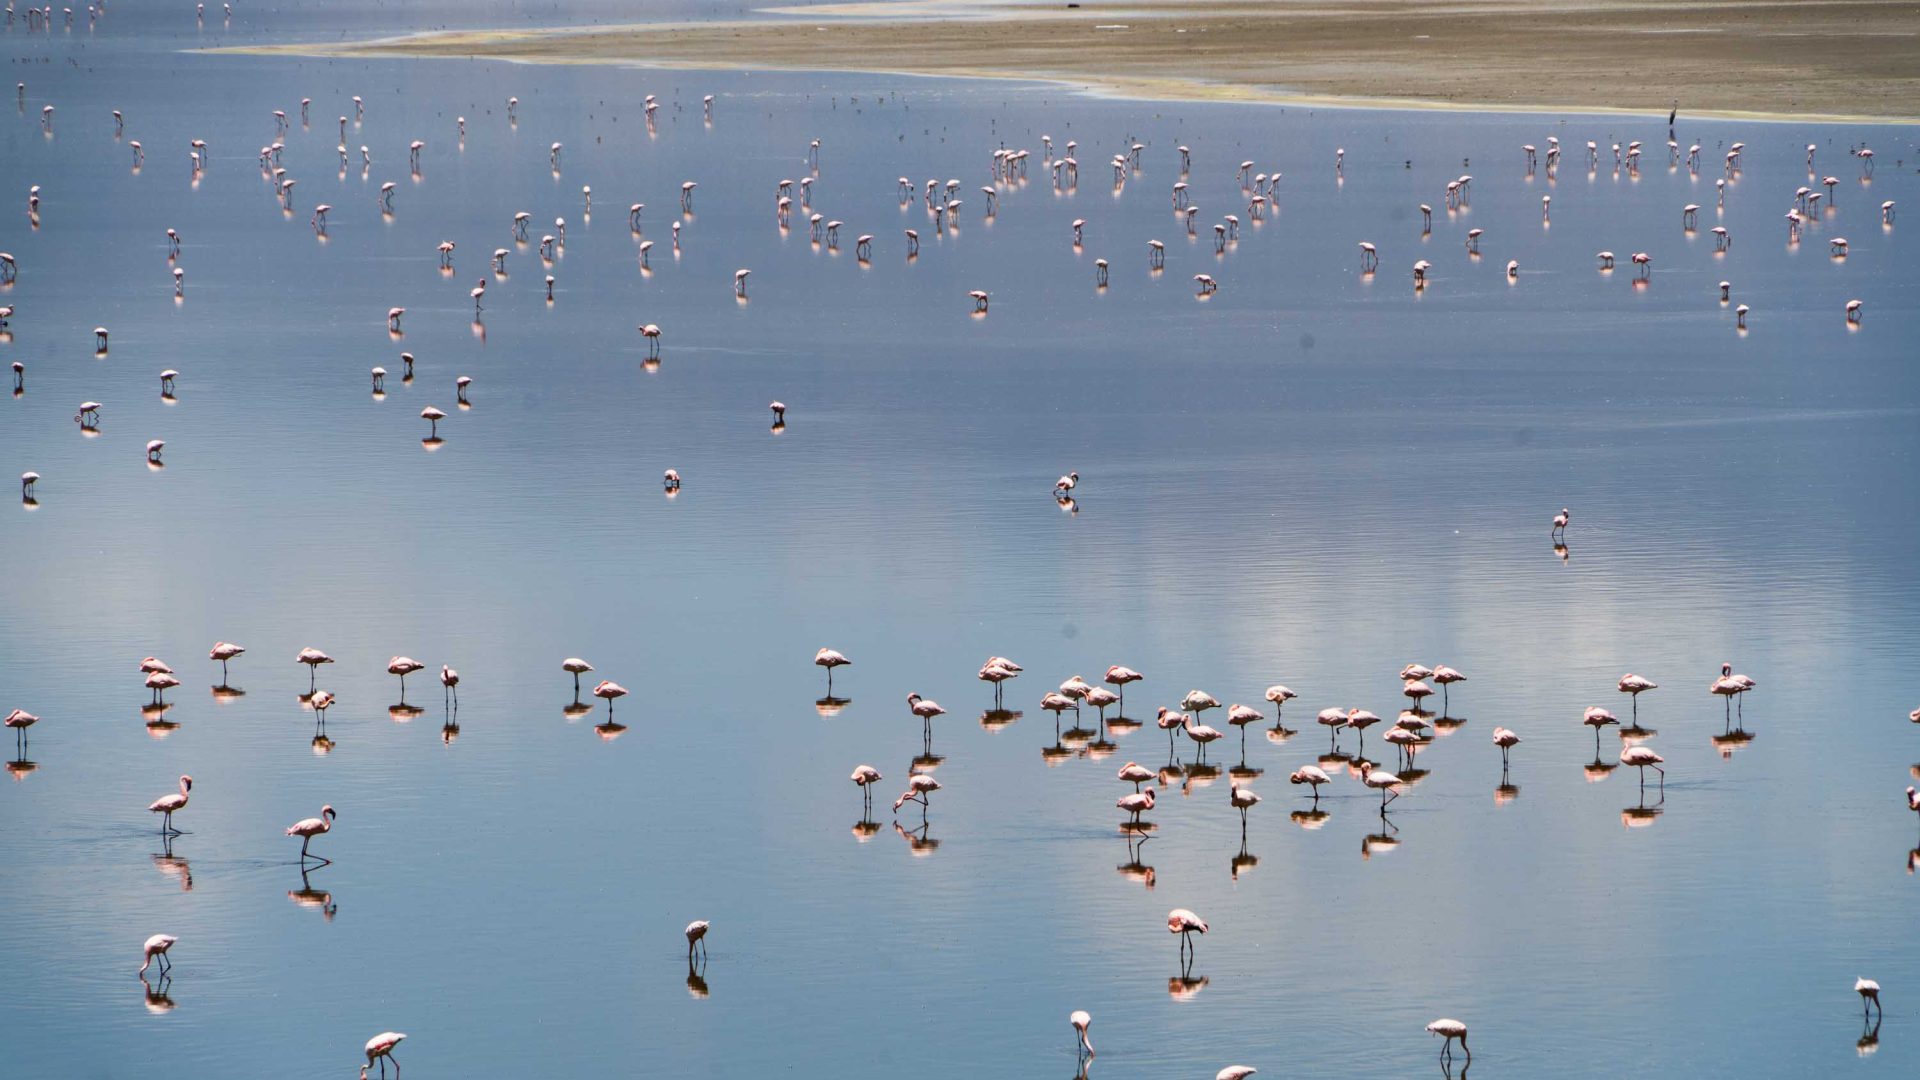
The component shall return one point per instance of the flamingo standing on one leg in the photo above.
(1310, 774)
(1636, 685)
(575, 666)
(830, 659)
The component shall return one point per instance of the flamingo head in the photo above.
(329, 813)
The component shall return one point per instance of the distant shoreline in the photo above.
(1826, 61)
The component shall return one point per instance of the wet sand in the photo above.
(1816, 60)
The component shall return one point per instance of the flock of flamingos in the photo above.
(1414, 727)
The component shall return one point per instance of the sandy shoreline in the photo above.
(1832, 60)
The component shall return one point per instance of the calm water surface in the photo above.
(1311, 478)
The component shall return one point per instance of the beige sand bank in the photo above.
(1815, 59)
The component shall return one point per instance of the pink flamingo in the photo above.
(308, 828)
(166, 805)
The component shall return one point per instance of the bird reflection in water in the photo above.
(224, 693)
(1243, 773)
(574, 710)
(865, 829)
(1245, 860)
(1641, 816)
(449, 730)
(1598, 769)
(918, 842)
(158, 726)
(1067, 504)
(172, 865)
(1381, 842)
(156, 995)
(1730, 741)
(996, 719)
(1507, 791)
(309, 897)
(1185, 987)
(1309, 819)
(1134, 869)
(697, 981)
(401, 712)
(830, 705)
(1055, 754)
(1278, 734)
(20, 768)
(1199, 776)
(1447, 725)
(609, 731)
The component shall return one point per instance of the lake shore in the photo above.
(1842, 60)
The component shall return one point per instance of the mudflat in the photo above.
(1784, 58)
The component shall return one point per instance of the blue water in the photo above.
(1311, 477)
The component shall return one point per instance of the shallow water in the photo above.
(1311, 478)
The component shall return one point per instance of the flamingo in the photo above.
(380, 1048)
(864, 776)
(1596, 718)
(450, 680)
(1136, 774)
(830, 659)
(1450, 1030)
(697, 937)
(1333, 720)
(1186, 924)
(1417, 690)
(224, 651)
(1505, 740)
(1235, 1072)
(1100, 697)
(1636, 685)
(1560, 520)
(1136, 803)
(919, 787)
(1080, 1019)
(1360, 720)
(156, 948)
(20, 720)
(1729, 686)
(1241, 799)
(1853, 311)
(165, 806)
(1066, 484)
(1310, 774)
(1279, 695)
(160, 682)
(1643, 758)
(308, 828)
(1446, 677)
(321, 701)
(576, 667)
(1171, 723)
(1606, 260)
(607, 691)
(403, 666)
(925, 710)
(1385, 783)
(1119, 676)
(1869, 992)
(1201, 734)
